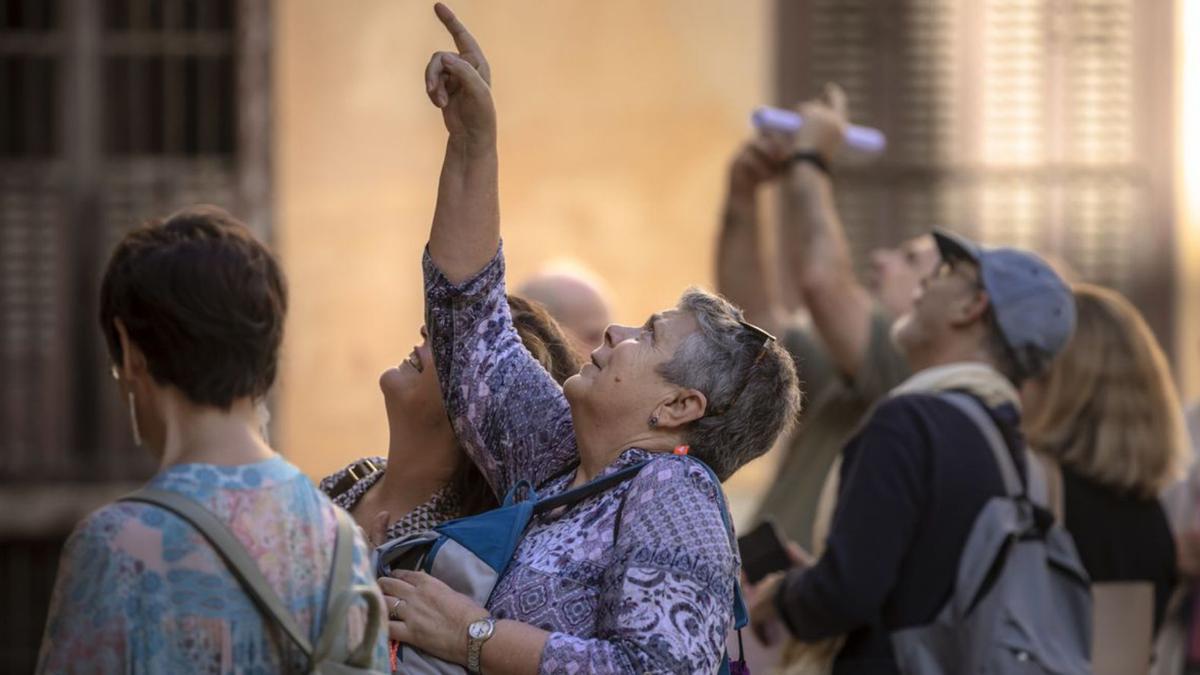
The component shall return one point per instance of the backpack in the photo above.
(470, 555)
(331, 655)
(1021, 603)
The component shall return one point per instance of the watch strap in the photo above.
(814, 158)
(475, 645)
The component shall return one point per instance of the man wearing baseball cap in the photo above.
(919, 471)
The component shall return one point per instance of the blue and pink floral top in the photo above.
(140, 591)
(639, 578)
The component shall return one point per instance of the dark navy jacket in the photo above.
(913, 480)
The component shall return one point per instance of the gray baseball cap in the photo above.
(1034, 307)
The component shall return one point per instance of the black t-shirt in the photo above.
(1120, 536)
(913, 481)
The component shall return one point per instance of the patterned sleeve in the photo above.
(509, 414)
(106, 606)
(667, 601)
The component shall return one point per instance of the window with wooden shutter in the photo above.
(1037, 123)
(34, 267)
(111, 112)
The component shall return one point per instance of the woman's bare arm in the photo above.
(466, 222)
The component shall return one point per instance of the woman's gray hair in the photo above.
(731, 364)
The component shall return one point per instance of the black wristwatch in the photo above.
(814, 158)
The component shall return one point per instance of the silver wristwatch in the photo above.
(478, 633)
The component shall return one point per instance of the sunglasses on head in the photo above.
(763, 338)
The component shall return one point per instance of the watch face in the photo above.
(479, 629)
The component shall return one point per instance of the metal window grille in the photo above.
(111, 112)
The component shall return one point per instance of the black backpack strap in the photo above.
(569, 468)
(236, 558)
(588, 489)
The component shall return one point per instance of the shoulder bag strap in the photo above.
(741, 614)
(973, 409)
(588, 489)
(360, 470)
(1051, 475)
(231, 550)
(1039, 480)
(342, 593)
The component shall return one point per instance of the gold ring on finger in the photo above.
(394, 611)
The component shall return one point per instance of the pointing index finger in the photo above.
(463, 40)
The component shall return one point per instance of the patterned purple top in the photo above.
(639, 578)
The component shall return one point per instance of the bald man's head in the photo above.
(576, 301)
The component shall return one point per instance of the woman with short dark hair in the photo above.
(193, 309)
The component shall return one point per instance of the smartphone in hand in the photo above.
(763, 551)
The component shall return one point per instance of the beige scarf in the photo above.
(978, 379)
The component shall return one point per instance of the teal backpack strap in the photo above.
(231, 550)
(588, 489)
(521, 486)
(741, 615)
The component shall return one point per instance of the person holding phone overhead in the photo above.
(841, 340)
(640, 577)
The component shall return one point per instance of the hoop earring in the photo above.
(264, 421)
(133, 421)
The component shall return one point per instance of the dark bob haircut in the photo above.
(203, 300)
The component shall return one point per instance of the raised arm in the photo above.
(466, 223)
(508, 413)
(815, 242)
(740, 271)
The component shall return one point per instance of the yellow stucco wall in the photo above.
(616, 120)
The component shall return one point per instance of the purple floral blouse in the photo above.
(639, 578)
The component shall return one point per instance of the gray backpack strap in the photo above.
(1039, 484)
(343, 593)
(231, 550)
(973, 409)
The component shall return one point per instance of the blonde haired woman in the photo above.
(1108, 413)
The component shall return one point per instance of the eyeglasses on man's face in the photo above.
(958, 267)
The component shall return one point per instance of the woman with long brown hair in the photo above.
(1108, 413)
(426, 478)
